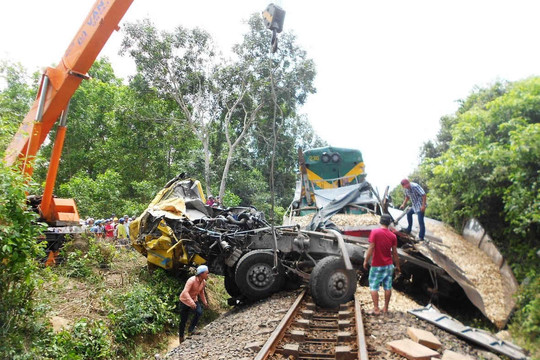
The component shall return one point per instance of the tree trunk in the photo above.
(204, 140)
(226, 172)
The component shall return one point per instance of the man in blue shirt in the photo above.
(417, 195)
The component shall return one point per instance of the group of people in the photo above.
(382, 251)
(113, 228)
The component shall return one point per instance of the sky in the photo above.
(387, 70)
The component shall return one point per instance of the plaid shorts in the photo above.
(381, 274)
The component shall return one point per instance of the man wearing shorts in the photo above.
(383, 247)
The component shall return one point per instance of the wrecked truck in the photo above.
(178, 230)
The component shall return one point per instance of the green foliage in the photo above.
(486, 166)
(164, 285)
(230, 199)
(95, 196)
(101, 253)
(85, 340)
(178, 77)
(125, 142)
(526, 321)
(15, 99)
(140, 312)
(18, 253)
(77, 265)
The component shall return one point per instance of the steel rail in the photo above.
(278, 333)
(360, 334)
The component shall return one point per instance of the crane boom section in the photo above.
(64, 80)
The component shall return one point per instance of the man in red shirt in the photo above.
(109, 229)
(383, 247)
(189, 301)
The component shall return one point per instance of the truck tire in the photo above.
(255, 276)
(230, 283)
(331, 284)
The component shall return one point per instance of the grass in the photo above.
(96, 298)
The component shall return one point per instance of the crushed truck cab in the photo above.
(179, 230)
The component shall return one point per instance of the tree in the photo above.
(488, 168)
(239, 98)
(16, 96)
(223, 102)
(181, 66)
(284, 81)
(127, 129)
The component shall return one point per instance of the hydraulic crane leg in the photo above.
(47, 209)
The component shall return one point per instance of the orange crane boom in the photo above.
(56, 89)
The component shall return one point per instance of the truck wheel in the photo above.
(331, 284)
(255, 276)
(230, 283)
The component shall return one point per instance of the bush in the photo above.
(89, 192)
(140, 312)
(101, 253)
(77, 265)
(18, 253)
(85, 340)
(166, 286)
(526, 321)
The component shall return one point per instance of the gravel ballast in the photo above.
(239, 333)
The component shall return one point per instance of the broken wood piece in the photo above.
(452, 355)
(424, 337)
(412, 350)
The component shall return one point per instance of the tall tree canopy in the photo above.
(121, 145)
(125, 141)
(230, 105)
(484, 164)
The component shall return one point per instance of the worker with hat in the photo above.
(383, 247)
(192, 299)
(417, 195)
(121, 234)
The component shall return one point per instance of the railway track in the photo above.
(308, 332)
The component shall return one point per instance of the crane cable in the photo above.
(274, 142)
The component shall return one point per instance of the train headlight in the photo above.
(325, 157)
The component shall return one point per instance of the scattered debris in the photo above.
(424, 337)
(412, 350)
(452, 355)
(477, 336)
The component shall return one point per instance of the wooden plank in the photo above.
(452, 355)
(412, 350)
(424, 337)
